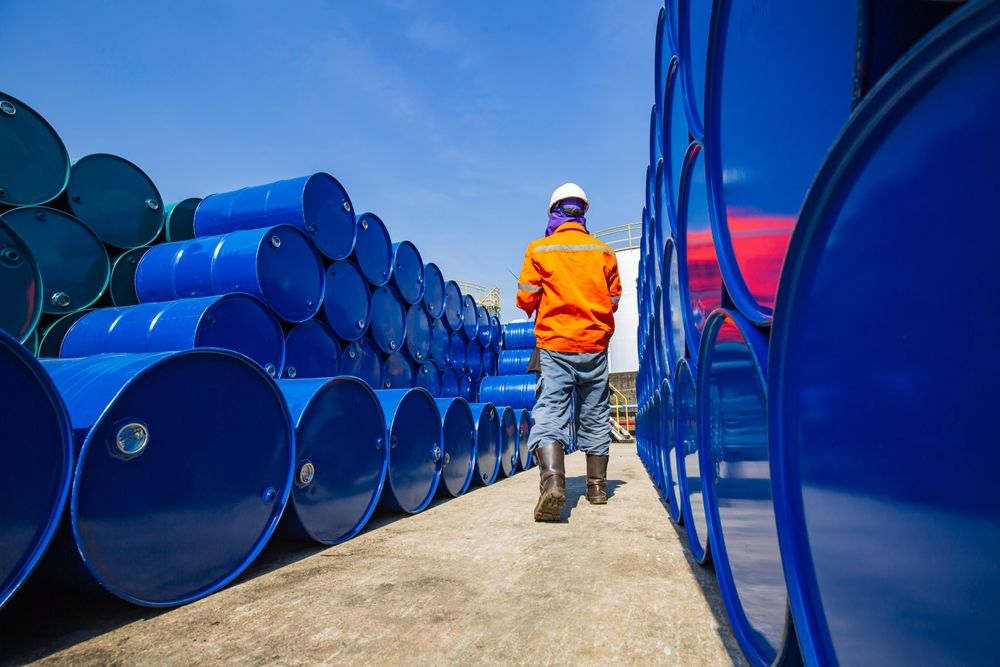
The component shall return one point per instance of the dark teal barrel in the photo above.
(121, 287)
(453, 305)
(415, 450)
(156, 517)
(37, 450)
(418, 332)
(525, 459)
(361, 359)
(517, 391)
(311, 351)
(449, 383)
(427, 376)
(408, 271)
(397, 371)
(116, 199)
(388, 318)
(51, 339)
(689, 473)
(470, 317)
(35, 164)
(433, 290)
(487, 422)
(317, 205)
(71, 259)
(347, 305)
(341, 458)
(508, 441)
(440, 347)
(278, 265)
(373, 250)
(178, 219)
(458, 430)
(232, 321)
(21, 296)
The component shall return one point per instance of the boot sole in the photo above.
(597, 501)
(550, 504)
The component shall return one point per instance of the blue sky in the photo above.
(451, 120)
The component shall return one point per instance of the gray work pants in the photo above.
(562, 372)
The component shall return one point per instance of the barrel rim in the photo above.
(368, 215)
(687, 368)
(413, 394)
(168, 212)
(310, 180)
(454, 401)
(695, 124)
(65, 153)
(368, 296)
(37, 274)
(259, 258)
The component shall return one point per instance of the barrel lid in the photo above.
(389, 319)
(35, 166)
(373, 249)
(453, 305)
(21, 298)
(347, 301)
(686, 432)
(415, 449)
(311, 351)
(459, 431)
(122, 285)
(433, 290)
(291, 274)
(487, 442)
(418, 332)
(408, 271)
(329, 216)
(361, 359)
(508, 449)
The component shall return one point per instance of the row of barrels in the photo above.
(816, 360)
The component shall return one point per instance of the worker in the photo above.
(570, 279)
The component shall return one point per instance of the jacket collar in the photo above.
(567, 226)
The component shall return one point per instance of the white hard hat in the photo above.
(569, 191)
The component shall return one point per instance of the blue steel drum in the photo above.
(230, 321)
(178, 219)
(883, 453)
(427, 376)
(457, 353)
(667, 452)
(453, 305)
(37, 451)
(278, 265)
(415, 449)
(35, 165)
(648, 208)
(661, 55)
(311, 351)
(694, 19)
(697, 261)
(485, 331)
(757, 178)
(661, 227)
(508, 441)
(474, 359)
(689, 472)
(449, 383)
(676, 140)
(654, 142)
(488, 441)
(52, 337)
(341, 458)
(408, 271)
(388, 319)
(672, 307)
(362, 359)
(397, 371)
(115, 199)
(653, 453)
(489, 362)
(525, 459)
(467, 387)
(71, 259)
(21, 296)
(458, 431)
(121, 287)
(470, 317)
(317, 205)
(158, 518)
(434, 295)
(519, 336)
(732, 431)
(373, 250)
(347, 303)
(418, 332)
(657, 356)
(496, 334)
(670, 37)
(517, 391)
(440, 347)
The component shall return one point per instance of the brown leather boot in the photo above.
(552, 483)
(597, 478)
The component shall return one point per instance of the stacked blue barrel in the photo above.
(824, 463)
(332, 370)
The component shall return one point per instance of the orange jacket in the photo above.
(571, 279)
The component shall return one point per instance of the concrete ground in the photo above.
(471, 580)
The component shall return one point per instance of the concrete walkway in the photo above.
(469, 581)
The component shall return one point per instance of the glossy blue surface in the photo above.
(316, 204)
(230, 321)
(697, 261)
(468, 388)
(347, 305)
(311, 351)
(433, 297)
(37, 450)
(488, 440)
(660, 226)
(470, 317)
(654, 145)
(449, 383)
(517, 391)
(21, 296)
(373, 249)
(278, 265)
(884, 452)
(440, 344)
(408, 271)
(453, 305)
(667, 452)
(508, 441)
(388, 319)
(525, 460)
(485, 332)
(676, 140)
(458, 353)
(397, 371)
(428, 376)
(415, 449)
(689, 473)
(757, 178)
(514, 362)
(51, 339)
(496, 334)
(458, 430)
(341, 457)
(672, 306)
(489, 361)
(657, 356)
(418, 332)
(519, 335)
(474, 359)
(693, 21)
(732, 431)
(362, 359)
(179, 519)
(661, 56)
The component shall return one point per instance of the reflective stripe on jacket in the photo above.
(571, 279)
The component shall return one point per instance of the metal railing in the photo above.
(484, 296)
(621, 407)
(621, 237)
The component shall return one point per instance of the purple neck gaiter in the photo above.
(557, 217)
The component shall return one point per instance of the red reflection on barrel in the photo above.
(704, 276)
(759, 243)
